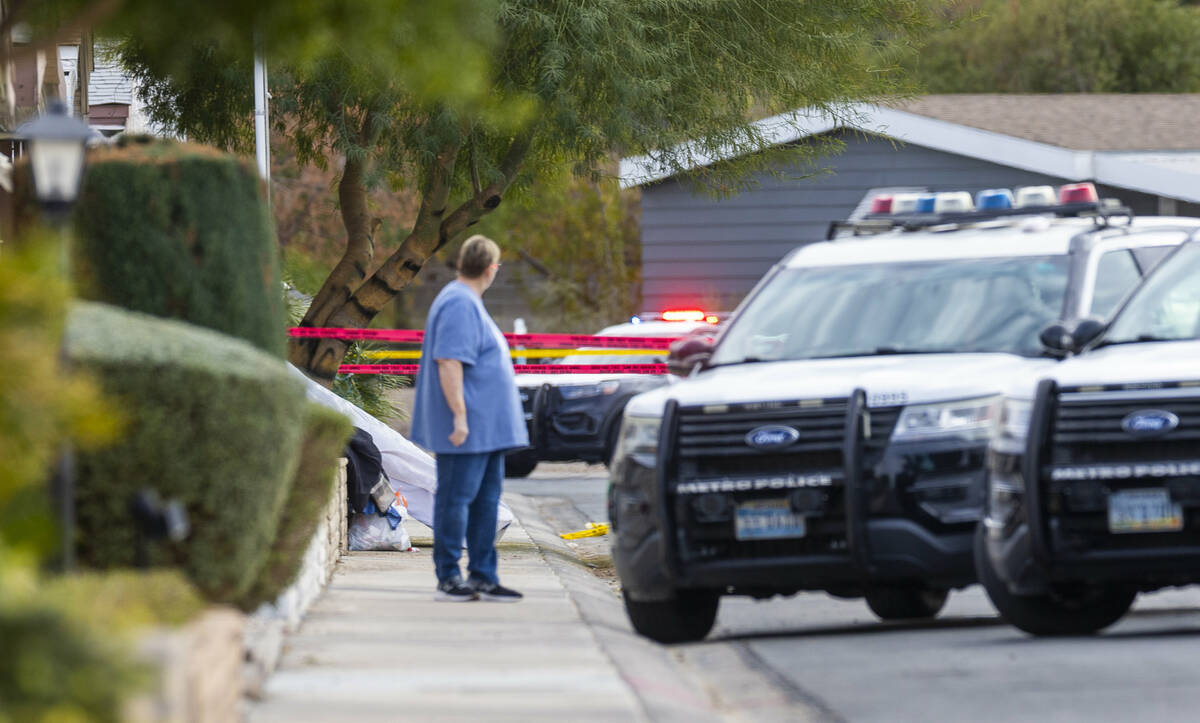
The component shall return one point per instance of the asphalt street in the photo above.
(834, 658)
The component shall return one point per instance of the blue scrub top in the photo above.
(459, 327)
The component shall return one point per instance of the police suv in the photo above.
(835, 437)
(576, 416)
(1094, 480)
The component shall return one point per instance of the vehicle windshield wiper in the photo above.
(885, 351)
(1139, 339)
(745, 360)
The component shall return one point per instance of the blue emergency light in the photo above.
(994, 198)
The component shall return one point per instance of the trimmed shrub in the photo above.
(181, 231)
(213, 422)
(41, 404)
(325, 436)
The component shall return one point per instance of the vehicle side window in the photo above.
(1149, 256)
(1116, 274)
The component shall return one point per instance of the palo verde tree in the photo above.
(568, 82)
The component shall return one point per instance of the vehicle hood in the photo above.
(888, 380)
(1122, 364)
(565, 380)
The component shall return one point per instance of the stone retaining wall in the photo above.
(266, 627)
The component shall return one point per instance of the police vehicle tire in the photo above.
(1083, 611)
(610, 443)
(687, 618)
(520, 464)
(906, 603)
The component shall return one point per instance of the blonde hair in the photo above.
(476, 255)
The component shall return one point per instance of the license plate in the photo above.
(1143, 511)
(768, 520)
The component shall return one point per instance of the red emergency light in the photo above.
(683, 315)
(1078, 193)
(881, 204)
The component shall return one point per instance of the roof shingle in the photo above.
(1090, 122)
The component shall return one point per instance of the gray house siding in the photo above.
(705, 252)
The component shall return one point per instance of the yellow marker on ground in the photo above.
(593, 529)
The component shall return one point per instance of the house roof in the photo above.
(107, 82)
(1141, 142)
(1079, 121)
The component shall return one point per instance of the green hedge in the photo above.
(181, 231)
(325, 436)
(212, 422)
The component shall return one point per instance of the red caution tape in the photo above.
(556, 341)
(411, 369)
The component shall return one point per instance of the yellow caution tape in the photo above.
(593, 529)
(517, 353)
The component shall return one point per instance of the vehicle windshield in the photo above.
(960, 305)
(1166, 307)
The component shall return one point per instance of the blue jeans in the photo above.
(465, 506)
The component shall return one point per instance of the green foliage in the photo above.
(127, 600)
(433, 49)
(585, 236)
(41, 403)
(215, 423)
(58, 667)
(181, 231)
(370, 392)
(587, 79)
(325, 436)
(1065, 46)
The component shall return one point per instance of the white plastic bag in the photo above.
(372, 532)
(411, 471)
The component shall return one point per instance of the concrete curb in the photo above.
(650, 670)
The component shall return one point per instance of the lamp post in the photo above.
(56, 146)
(56, 149)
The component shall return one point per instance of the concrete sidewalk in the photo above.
(377, 647)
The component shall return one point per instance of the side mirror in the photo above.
(688, 352)
(1062, 339)
(1056, 338)
(1086, 331)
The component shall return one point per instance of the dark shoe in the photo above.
(455, 591)
(495, 592)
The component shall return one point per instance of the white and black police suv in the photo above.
(834, 438)
(575, 417)
(1094, 479)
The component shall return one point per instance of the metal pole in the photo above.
(262, 142)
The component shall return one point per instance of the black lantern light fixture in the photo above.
(55, 143)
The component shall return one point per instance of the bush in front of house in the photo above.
(180, 230)
(212, 422)
(312, 488)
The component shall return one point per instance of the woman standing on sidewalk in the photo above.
(468, 413)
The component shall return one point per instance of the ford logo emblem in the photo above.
(1149, 422)
(772, 436)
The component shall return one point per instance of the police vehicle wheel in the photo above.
(610, 444)
(520, 464)
(906, 603)
(687, 618)
(1069, 610)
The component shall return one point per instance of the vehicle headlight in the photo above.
(1014, 418)
(972, 419)
(583, 391)
(639, 435)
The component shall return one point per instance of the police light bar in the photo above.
(1078, 193)
(953, 202)
(881, 204)
(1035, 196)
(904, 203)
(684, 315)
(994, 198)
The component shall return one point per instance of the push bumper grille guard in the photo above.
(1037, 448)
(856, 429)
(1174, 559)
